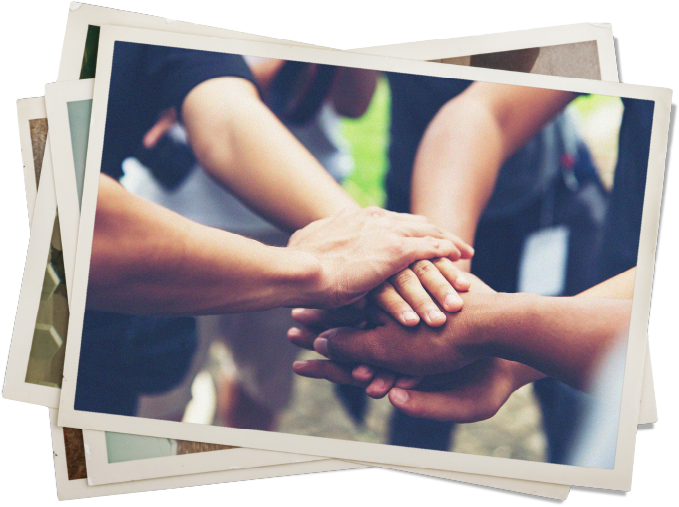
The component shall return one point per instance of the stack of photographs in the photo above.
(188, 186)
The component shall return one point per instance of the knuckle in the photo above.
(445, 245)
(384, 292)
(376, 351)
(442, 263)
(405, 277)
(423, 303)
(435, 243)
(374, 211)
(423, 268)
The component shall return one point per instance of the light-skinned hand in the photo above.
(359, 249)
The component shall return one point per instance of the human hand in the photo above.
(358, 250)
(471, 394)
(379, 341)
(313, 322)
(411, 294)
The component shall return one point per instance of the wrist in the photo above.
(505, 324)
(299, 278)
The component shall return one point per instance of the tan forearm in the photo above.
(240, 142)
(619, 287)
(456, 167)
(467, 142)
(149, 260)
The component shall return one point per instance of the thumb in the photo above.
(347, 345)
(451, 406)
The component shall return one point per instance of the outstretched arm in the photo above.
(560, 337)
(467, 142)
(147, 259)
(241, 143)
(478, 391)
(245, 148)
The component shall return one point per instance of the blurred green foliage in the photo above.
(368, 137)
(587, 104)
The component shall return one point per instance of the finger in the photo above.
(302, 337)
(347, 345)
(407, 382)
(333, 372)
(437, 284)
(410, 288)
(325, 319)
(456, 276)
(381, 384)
(420, 229)
(441, 406)
(155, 133)
(364, 346)
(415, 249)
(462, 250)
(387, 298)
(363, 373)
(466, 250)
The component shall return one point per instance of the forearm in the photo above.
(619, 287)
(456, 167)
(240, 143)
(465, 145)
(564, 338)
(149, 260)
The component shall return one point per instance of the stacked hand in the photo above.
(404, 256)
(360, 248)
(437, 373)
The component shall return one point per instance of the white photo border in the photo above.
(617, 478)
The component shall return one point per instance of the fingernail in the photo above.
(321, 346)
(410, 317)
(297, 311)
(294, 332)
(399, 395)
(328, 334)
(452, 300)
(363, 370)
(299, 364)
(463, 279)
(436, 315)
(379, 384)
